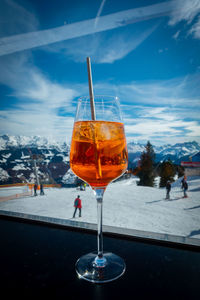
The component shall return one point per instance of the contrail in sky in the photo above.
(99, 13)
(31, 40)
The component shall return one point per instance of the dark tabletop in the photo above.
(38, 260)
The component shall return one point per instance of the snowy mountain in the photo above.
(178, 150)
(8, 141)
(176, 153)
(17, 153)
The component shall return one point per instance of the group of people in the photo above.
(77, 201)
(82, 187)
(41, 189)
(184, 187)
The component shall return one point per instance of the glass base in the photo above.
(93, 269)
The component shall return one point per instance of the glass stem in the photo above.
(100, 260)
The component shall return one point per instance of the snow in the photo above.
(3, 175)
(20, 167)
(3, 161)
(69, 177)
(24, 141)
(6, 155)
(134, 147)
(50, 154)
(25, 156)
(125, 205)
(186, 150)
(9, 191)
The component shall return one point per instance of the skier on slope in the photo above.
(77, 205)
(185, 188)
(168, 188)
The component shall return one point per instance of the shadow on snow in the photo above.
(194, 232)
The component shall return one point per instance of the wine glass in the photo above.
(98, 155)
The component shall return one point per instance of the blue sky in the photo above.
(146, 52)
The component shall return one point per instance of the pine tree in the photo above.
(167, 172)
(180, 171)
(146, 173)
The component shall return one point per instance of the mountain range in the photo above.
(19, 155)
(176, 153)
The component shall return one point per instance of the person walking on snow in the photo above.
(35, 189)
(168, 188)
(185, 188)
(41, 189)
(77, 205)
(182, 182)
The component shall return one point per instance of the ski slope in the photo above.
(125, 205)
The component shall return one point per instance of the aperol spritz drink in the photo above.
(98, 155)
(98, 151)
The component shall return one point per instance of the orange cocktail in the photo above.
(98, 151)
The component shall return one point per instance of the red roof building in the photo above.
(192, 167)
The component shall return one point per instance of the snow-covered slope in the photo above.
(125, 205)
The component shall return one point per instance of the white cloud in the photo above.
(121, 45)
(43, 108)
(28, 83)
(146, 127)
(186, 10)
(183, 92)
(36, 122)
(195, 30)
(166, 131)
(161, 113)
(103, 48)
(163, 110)
(176, 35)
(45, 92)
(194, 129)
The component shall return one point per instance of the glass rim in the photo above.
(98, 97)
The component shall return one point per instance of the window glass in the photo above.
(146, 53)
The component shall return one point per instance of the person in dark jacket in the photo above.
(35, 189)
(41, 189)
(77, 205)
(185, 188)
(182, 182)
(168, 188)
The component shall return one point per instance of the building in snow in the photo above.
(192, 167)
